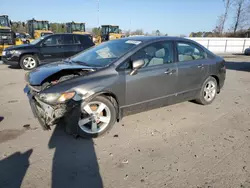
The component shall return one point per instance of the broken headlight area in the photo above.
(50, 114)
(52, 98)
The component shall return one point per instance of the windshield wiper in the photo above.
(79, 62)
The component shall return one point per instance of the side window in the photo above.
(53, 40)
(189, 52)
(84, 40)
(126, 65)
(68, 39)
(158, 53)
(77, 39)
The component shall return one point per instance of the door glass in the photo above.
(158, 53)
(53, 40)
(77, 39)
(84, 40)
(189, 52)
(68, 39)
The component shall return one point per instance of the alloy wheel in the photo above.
(29, 63)
(209, 91)
(95, 117)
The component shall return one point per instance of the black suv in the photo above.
(46, 49)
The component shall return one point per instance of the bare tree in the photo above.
(218, 30)
(137, 32)
(241, 14)
(223, 18)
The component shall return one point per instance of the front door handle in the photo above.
(170, 71)
(201, 66)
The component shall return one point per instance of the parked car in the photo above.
(46, 49)
(247, 51)
(97, 87)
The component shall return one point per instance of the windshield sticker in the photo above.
(136, 42)
(105, 53)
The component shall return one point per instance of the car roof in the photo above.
(153, 38)
(67, 34)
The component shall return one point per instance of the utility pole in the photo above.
(98, 21)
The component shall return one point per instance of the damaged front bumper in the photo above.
(48, 114)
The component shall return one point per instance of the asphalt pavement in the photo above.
(183, 145)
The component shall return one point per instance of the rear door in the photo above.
(83, 42)
(192, 67)
(51, 49)
(70, 47)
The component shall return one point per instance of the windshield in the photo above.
(4, 22)
(78, 27)
(37, 40)
(105, 53)
(110, 29)
(41, 25)
(114, 29)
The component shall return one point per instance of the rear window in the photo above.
(84, 40)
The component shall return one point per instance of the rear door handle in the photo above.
(201, 66)
(170, 71)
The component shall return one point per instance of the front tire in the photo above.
(208, 91)
(97, 117)
(28, 62)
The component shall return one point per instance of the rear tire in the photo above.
(102, 113)
(208, 91)
(28, 62)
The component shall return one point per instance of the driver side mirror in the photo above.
(137, 64)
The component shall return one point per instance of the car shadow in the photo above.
(1, 118)
(74, 162)
(13, 169)
(14, 67)
(238, 66)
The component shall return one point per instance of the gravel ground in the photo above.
(183, 145)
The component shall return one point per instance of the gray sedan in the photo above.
(92, 90)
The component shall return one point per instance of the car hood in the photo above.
(38, 75)
(20, 47)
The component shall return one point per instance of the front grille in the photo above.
(6, 38)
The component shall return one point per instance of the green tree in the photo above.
(158, 33)
(96, 31)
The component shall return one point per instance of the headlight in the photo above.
(14, 52)
(3, 53)
(56, 97)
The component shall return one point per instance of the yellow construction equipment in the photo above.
(109, 32)
(38, 28)
(7, 36)
(77, 28)
(23, 38)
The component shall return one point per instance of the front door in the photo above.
(51, 49)
(192, 67)
(156, 81)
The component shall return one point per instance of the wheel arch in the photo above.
(113, 98)
(29, 53)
